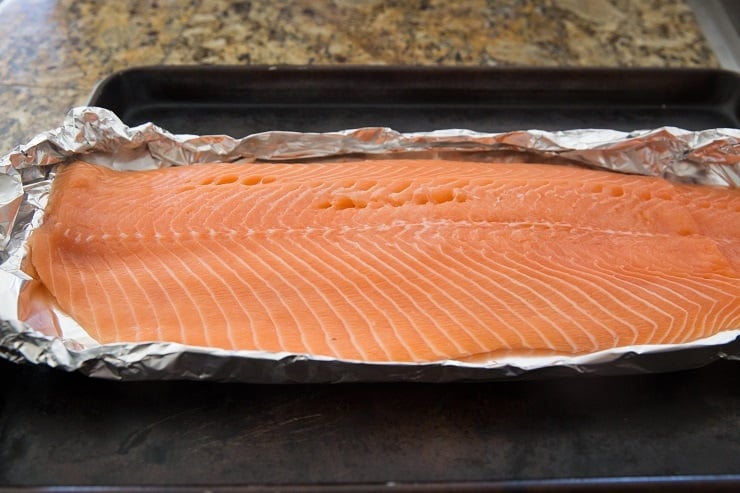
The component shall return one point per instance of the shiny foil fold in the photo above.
(709, 157)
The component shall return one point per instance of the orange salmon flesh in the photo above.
(392, 260)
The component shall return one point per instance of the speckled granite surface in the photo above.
(52, 52)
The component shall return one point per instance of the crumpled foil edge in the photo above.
(709, 157)
(172, 361)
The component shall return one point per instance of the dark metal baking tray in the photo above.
(663, 432)
(238, 101)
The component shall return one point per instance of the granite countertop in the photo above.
(53, 52)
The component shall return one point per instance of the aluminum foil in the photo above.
(710, 157)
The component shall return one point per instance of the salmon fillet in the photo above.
(398, 260)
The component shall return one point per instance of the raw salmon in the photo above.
(398, 260)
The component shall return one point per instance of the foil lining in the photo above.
(708, 157)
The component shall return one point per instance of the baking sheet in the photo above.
(557, 434)
(240, 101)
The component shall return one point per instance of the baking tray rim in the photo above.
(103, 83)
(717, 483)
